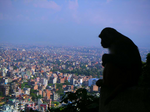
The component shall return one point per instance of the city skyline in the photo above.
(72, 22)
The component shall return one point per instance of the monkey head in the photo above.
(107, 36)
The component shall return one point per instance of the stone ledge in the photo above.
(133, 99)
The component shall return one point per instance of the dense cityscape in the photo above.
(38, 76)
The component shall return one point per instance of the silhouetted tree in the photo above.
(79, 101)
(145, 78)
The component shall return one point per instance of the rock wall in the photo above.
(134, 99)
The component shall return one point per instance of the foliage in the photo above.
(33, 91)
(58, 85)
(55, 102)
(95, 70)
(79, 101)
(1, 104)
(148, 59)
(92, 71)
(50, 84)
(33, 94)
(66, 82)
(15, 67)
(25, 84)
(59, 89)
(145, 78)
(39, 96)
(1, 93)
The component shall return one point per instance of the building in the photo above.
(92, 81)
(44, 81)
(27, 91)
(72, 81)
(5, 89)
(55, 96)
(94, 88)
(52, 80)
(48, 94)
(13, 87)
(5, 80)
(61, 80)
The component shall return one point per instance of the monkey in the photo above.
(122, 66)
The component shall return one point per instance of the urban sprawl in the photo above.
(38, 76)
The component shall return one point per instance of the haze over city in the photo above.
(72, 22)
(52, 59)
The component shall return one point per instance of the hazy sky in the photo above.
(72, 22)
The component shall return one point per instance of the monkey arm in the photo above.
(107, 58)
(124, 53)
(99, 83)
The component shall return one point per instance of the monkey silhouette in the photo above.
(122, 66)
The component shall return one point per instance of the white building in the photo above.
(27, 91)
(44, 81)
(81, 81)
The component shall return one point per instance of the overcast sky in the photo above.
(73, 22)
